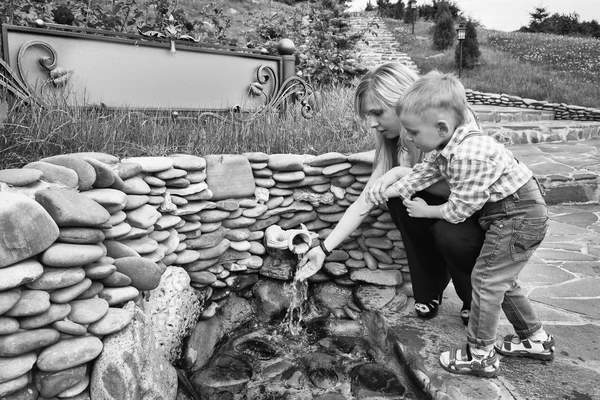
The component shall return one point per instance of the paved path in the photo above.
(562, 280)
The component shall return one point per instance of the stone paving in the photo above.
(563, 282)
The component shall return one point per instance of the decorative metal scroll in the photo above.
(293, 89)
(56, 75)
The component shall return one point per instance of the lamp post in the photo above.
(413, 8)
(461, 33)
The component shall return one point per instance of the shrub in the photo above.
(389, 10)
(470, 47)
(443, 32)
(369, 6)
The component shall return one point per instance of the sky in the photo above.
(510, 15)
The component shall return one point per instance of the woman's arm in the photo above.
(351, 220)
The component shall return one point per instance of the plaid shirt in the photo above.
(477, 168)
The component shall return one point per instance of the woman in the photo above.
(436, 249)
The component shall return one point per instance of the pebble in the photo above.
(98, 270)
(80, 235)
(69, 208)
(8, 298)
(135, 185)
(143, 217)
(68, 353)
(52, 383)
(86, 174)
(87, 311)
(323, 160)
(105, 176)
(151, 164)
(56, 278)
(14, 385)
(115, 320)
(23, 342)
(67, 294)
(286, 162)
(13, 367)
(8, 325)
(71, 255)
(31, 302)
(57, 174)
(188, 162)
(118, 295)
(144, 274)
(19, 177)
(52, 314)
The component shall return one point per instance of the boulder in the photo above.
(132, 366)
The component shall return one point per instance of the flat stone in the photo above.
(580, 296)
(326, 159)
(69, 328)
(116, 279)
(20, 273)
(136, 200)
(80, 235)
(52, 383)
(69, 208)
(286, 162)
(95, 288)
(23, 342)
(239, 222)
(190, 191)
(105, 176)
(8, 298)
(144, 274)
(71, 255)
(87, 311)
(373, 298)
(116, 249)
(56, 278)
(229, 176)
(69, 293)
(86, 174)
(167, 221)
(20, 177)
(197, 177)
(69, 353)
(99, 270)
(142, 245)
(256, 156)
(13, 367)
(188, 162)
(126, 170)
(54, 313)
(56, 174)
(136, 186)
(151, 164)
(8, 325)
(213, 252)
(291, 176)
(377, 277)
(143, 217)
(367, 157)
(107, 197)
(27, 228)
(336, 168)
(31, 302)
(113, 321)
(376, 381)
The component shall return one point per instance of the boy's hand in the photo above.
(416, 208)
(376, 194)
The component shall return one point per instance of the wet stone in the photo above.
(257, 349)
(321, 371)
(224, 371)
(373, 381)
(373, 298)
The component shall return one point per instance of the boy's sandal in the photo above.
(527, 348)
(465, 363)
(427, 310)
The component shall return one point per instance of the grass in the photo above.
(554, 68)
(512, 63)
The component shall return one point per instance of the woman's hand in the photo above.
(310, 264)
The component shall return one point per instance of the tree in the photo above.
(537, 18)
(470, 47)
(443, 32)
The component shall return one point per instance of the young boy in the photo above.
(482, 175)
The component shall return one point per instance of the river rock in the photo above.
(146, 373)
(69, 328)
(57, 174)
(67, 294)
(143, 245)
(188, 162)
(27, 228)
(118, 250)
(54, 313)
(8, 298)
(8, 325)
(14, 385)
(144, 274)
(201, 344)
(285, 162)
(151, 164)
(23, 342)
(113, 321)
(69, 208)
(326, 159)
(31, 302)
(52, 383)
(105, 176)
(19, 177)
(69, 353)
(118, 295)
(20, 273)
(56, 278)
(229, 176)
(143, 217)
(13, 367)
(88, 311)
(86, 174)
(373, 298)
(377, 277)
(71, 255)
(80, 235)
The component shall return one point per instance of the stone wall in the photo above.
(83, 235)
(560, 110)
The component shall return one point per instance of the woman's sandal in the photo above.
(465, 313)
(427, 310)
(462, 361)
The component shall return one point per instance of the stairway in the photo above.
(381, 45)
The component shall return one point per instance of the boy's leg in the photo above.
(428, 271)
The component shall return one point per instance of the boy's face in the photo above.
(426, 132)
(382, 119)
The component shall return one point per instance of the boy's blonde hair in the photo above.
(435, 91)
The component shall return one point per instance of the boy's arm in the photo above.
(422, 176)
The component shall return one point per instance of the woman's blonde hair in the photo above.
(384, 85)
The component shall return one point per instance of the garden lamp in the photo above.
(461, 33)
(413, 8)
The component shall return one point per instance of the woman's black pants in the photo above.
(438, 250)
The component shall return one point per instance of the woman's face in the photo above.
(384, 120)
